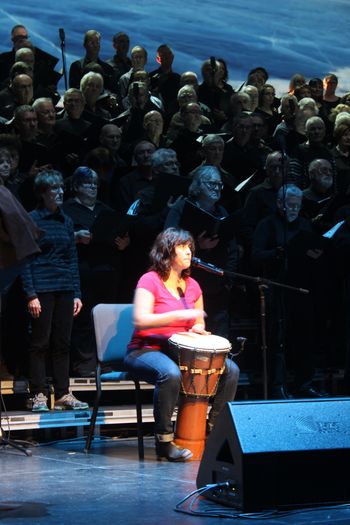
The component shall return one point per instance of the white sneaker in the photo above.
(38, 403)
(70, 402)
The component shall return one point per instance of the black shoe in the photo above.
(208, 428)
(172, 452)
(280, 393)
(310, 392)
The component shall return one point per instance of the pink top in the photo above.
(164, 301)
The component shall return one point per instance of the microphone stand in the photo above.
(64, 65)
(263, 285)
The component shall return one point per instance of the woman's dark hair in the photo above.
(313, 82)
(163, 251)
(259, 69)
(262, 92)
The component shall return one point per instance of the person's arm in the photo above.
(144, 316)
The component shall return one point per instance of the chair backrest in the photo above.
(113, 325)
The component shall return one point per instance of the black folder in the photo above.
(167, 186)
(196, 220)
(110, 224)
(305, 242)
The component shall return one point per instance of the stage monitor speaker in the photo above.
(276, 454)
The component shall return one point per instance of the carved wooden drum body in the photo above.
(202, 362)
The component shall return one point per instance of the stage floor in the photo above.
(60, 484)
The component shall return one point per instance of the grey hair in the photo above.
(40, 100)
(161, 155)
(22, 52)
(212, 139)
(46, 179)
(201, 174)
(307, 102)
(70, 91)
(313, 120)
(187, 87)
(23, 109)
(289, 190)
(89, 76)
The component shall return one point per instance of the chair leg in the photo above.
(94, 414)
(139, 420)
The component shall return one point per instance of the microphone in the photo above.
(213, 64)
(62, 34)
(208, 267)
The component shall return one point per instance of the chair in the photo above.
(113, 325)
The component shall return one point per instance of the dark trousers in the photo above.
(50, 338)
(290, 335)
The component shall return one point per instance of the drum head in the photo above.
(200, 342)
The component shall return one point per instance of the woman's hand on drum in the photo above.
(198, 328)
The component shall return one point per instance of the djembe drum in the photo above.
(202, 361)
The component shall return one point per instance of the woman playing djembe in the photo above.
(168, 301)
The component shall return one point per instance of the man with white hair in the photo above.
(91, 86)
(318, 193)
(164, 160)
(285, 250)
(253, 93)
(313, 148)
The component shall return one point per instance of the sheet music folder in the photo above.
(196, 220)
(167, 186)
(108, 225)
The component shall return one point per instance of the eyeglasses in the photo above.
(89, 184)
(293, 207)
(211, 185)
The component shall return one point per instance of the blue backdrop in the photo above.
(306, 36)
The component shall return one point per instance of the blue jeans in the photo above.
(160, 368)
